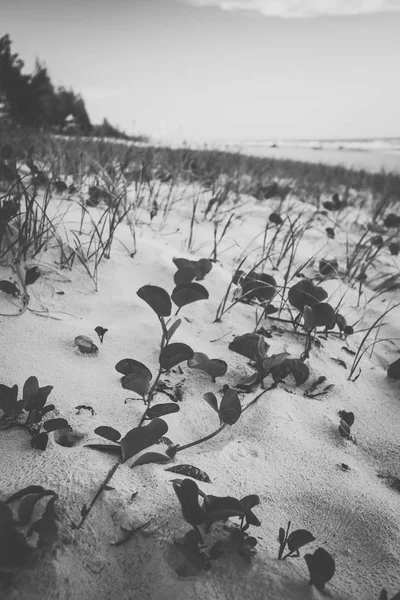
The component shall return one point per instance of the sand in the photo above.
(286, 448)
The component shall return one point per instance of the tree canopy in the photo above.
(32, 100)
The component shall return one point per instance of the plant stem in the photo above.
(201, 440)
(98, 493)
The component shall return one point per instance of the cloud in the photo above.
(303, 8)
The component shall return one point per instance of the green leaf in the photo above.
(30, 489)
(190, 471)
(47, 530)
(157, 298)
(324, 315)
(184, 275)
(139, 438)
(230, 408)
(108, 433)
(304, 293)
(188, 293)
(173, 354)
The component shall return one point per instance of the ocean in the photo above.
(372, 154)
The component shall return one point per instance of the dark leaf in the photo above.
(108, 433)
(282, 535)
(9, 287)
(41, 397)
(150, 457)
(40, 441)
(8, 398)
(348, 417)
(173, 354)
(85, 344)
(247, 382)
(344, 429)
(47, 530)
(32, 275)
(341, 322)
(230, 408)
(248, 345)
(271, 362)
(30, 391)
(55, 424)
(184, 275)
(321, 566)
(101, 331)
(214, 366)
(202, 267)
(188, 496)
(138, 382)
(221, 509)
(298, 369)
(299, 538)
(211, 399)
(108, 448)
(173, 329)
(27, 504)
(184, 263)
(139, 438)
(324, 315)
(188, 293)
(275, 218)
(328, 267)
(30, 489)
(190, 471)
(157, 298)
(129, 365)
(158, 410)
(304, 293)
(393, 370)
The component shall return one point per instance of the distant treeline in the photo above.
(31, 100)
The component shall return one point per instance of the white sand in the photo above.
(286, 448)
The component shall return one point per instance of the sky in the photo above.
(221, 70)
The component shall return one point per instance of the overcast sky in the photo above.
(221, 69)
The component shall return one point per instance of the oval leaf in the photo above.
(173, 329)
(54, 424)
(150, 457)
(159, 410)
(40, 441)
(109, 448)
(108, 433)
(129, 365)
(211, 399)
(230, 408)
(157, 298)
(30, 391)
(298, 369)
(299, 538)
(139, 438)
(248, 345)
(9, 287)
(173, 354)
(189, 293)
(190, 471)
(321, 566)
(184, 275)
(41, 397)
(32, 275)
(304, 293)
(136, 382)
(85, 344)
(324, 315)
